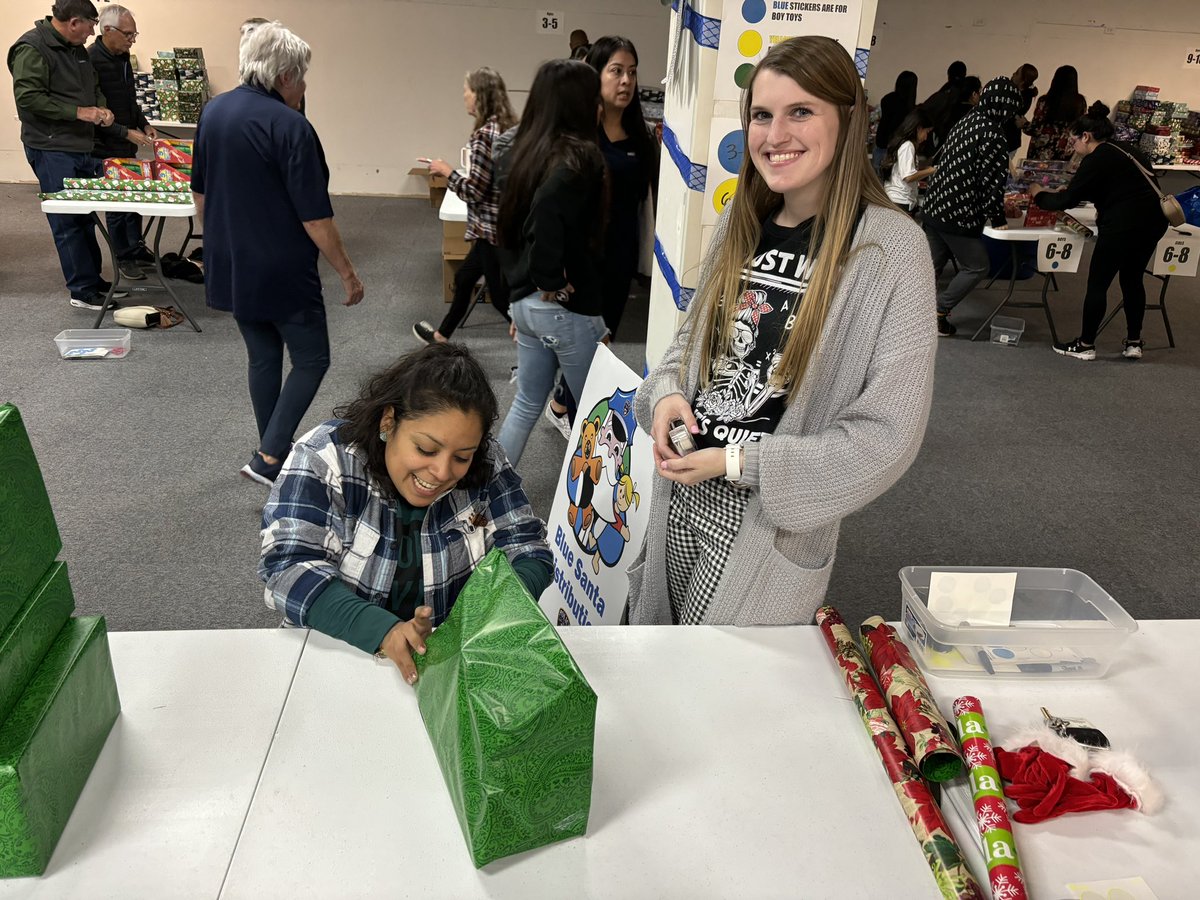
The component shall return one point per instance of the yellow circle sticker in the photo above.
(750, 43)
(724, 193)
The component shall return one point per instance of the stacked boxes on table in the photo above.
(58, 697)
(180, 84)
(1159, 127)
(147, 95)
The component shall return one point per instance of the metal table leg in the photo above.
(112, 255)
(162, 221)
(1012, 286)
(1161, 306)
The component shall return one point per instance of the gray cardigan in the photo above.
(852, 431)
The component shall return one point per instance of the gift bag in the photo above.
(510, 716)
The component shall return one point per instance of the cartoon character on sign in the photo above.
(582, 477)
(607, 531)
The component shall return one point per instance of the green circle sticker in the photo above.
(741, 75)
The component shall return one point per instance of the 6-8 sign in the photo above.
(1176, 255)
(1059, 253)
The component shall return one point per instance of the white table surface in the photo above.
(161, 813)
(728, 763)
(83, 207)
(453, 208)
(1017, 232)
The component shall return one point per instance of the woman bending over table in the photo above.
(379, 517)
(803, 371)
(1119, 180)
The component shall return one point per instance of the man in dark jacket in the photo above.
(109, 54)
(967, 192)
(59, 103)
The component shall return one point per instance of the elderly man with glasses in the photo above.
(59, 103)
(109, 54)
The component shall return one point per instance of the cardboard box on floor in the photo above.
(437, 184)
(454, 240)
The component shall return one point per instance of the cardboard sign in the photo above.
(1176, 254)
(599, 517)
(1059, 253)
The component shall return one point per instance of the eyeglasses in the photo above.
(130, 35)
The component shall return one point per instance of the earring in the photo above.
(383, 435)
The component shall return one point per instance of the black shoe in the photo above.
(105, 286)
(131, 270)
(143, 257)
(1133, 349)
(424, 332)
(1077, 349)
(258, 469)
(945, 326)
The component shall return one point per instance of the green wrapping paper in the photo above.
(50, 742)
(925, 729)
(149, 186)
(510, 716)
(29, 539)
(954, 879)
(31, 632)
(117, 197)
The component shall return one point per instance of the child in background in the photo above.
(899, 169)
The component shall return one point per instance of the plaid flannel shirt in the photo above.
(478, 189)
(327, 519)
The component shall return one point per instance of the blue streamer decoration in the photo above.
(694, 175)
(705, 31)
(681, 295)
(861, 56)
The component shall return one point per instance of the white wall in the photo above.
(1114, 44)
(386, 79)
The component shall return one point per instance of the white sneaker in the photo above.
(562, 424)
(1077, 349)
(1133, 349)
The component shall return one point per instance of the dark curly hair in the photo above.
(434, 379)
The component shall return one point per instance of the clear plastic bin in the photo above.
(93, 343)
(1007, 330)
(1063, 625)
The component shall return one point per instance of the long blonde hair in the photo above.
(822, 68)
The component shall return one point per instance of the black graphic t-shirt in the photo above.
(739, 405)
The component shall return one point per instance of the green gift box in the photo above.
(29, 539)
(510, 716)
(50, 742)
(31, 632)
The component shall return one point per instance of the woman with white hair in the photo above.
(262, 187)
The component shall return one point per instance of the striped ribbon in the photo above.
(681, 295)
(694, 175)
(706, 31)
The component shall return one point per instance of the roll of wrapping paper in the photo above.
(941, 851)
(991, 815)
(926, 731)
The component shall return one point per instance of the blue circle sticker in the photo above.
(731, 150)
(753, 11)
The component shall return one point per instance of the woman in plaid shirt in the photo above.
(378, 518)
(487, 100)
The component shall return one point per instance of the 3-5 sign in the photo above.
(549, 22)
(1059, 253)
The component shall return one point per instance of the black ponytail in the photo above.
(1094, 121)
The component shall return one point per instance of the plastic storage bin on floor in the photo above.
(93, 343)
(1007, 331)
(1063, 625)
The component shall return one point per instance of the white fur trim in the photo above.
(1131, 776)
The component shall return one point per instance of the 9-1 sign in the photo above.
(1176, 254)
(1059, 253)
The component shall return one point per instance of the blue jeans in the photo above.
(74, 235)
(125, 232)
(549, 338)
(280, 405)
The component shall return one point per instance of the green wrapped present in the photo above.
(29, 539)
(510, 716)
(50, 743)
(31, 633)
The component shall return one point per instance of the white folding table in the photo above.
(160, 211)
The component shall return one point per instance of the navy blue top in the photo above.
(261, 169)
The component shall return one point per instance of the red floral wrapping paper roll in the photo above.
(941, 851)
(926, 731)
(991, 815)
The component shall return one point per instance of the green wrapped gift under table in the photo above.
(510, 716)
(58, 696)
(29, 539)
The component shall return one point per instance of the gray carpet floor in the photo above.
(1030, 459)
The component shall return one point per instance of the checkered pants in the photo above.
(703, 521)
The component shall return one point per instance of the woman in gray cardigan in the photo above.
(804, 370)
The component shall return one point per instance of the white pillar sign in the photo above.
(1176, 254)
(1059, 253)
(598, 519)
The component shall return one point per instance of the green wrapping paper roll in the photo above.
(925, 729)
(950, 871)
